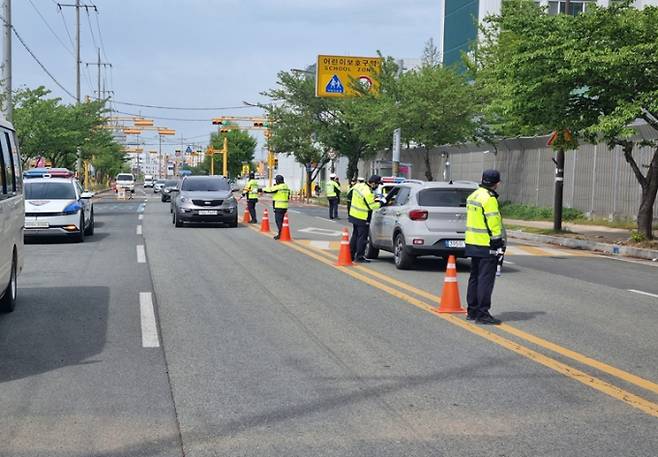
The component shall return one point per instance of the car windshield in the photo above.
(159, 181)
(205, 185)
(49, 191)
(452, 198)
(171, 183)
(125, 177)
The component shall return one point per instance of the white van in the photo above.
(12, 216)
(148, 181)
(127, 181)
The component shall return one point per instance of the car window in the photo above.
(79, 187)
(205, 185)
(18, 172)
(49, 191)
(403, 196)
(392, 196)
(8, 165)
(171, 183)
(125, 177)
(3, 181)
(446, 197)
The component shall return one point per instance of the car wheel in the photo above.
(403, 260)
(234, 222)
(371, 251)
(177, 222)
(89, 231)
(80, 237)
(8, 301)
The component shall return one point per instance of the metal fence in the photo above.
(597, 180)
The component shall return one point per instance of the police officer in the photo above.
(484, 242)
(333, 195)
(362, 205)
(251, 192)
(280, 200)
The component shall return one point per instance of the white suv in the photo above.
(126, 181)
(11, 216)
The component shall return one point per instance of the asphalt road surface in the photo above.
(151, 340)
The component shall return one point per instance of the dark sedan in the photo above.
(168, 185)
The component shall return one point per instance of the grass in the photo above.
(536, 213)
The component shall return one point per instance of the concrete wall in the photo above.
(597, 180)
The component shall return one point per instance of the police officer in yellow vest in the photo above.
(280, 200)
(333, 195)
(362, 205)
(484, 242)
(251, 192)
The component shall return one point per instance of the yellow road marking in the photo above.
(618, 393)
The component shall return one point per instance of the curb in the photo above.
(587, 245)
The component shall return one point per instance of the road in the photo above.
(211, 341)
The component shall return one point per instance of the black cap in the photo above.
(278, 179)
(375, 179)
(251, 175)
(490, 177)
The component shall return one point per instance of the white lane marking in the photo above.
(320, 231)
(140, 209)
(139, 229)
(294, 211)
(140, 217)
(507, 262)
(141, 254)
(622, 259)
(147, 315)
(641, 292)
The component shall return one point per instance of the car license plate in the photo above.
(207, 212)
(455, 244)
(36, 224)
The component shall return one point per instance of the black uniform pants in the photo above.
(333, 207)
(359, 239)
(481, 284)
(251, 205)
(278, 217)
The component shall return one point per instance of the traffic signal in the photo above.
(217, 121)
(224, 130)
(276, 164)
(261, 124)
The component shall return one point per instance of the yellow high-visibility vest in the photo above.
(331, 188)
(252, 189)
(363, 201)
(483, 220)
(281, 195)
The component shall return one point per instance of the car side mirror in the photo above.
(173, 189)
(86, 195)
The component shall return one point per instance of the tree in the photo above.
(617, 69)
(522, 72)
(437, 106)
(241, 147)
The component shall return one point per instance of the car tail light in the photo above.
(418, 215)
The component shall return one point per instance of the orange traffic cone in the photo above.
(246, 217)
(344, 254)
(265, 223)
(450, 302)
(285, 229)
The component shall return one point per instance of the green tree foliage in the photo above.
(241, 147)
(48, 128)
(593, 74)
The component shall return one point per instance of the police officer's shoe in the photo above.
(363, 260)
(470, 316)
(276, 237)
(488, 319)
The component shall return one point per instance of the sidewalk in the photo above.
(614, 241)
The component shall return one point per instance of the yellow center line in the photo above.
(618, 393)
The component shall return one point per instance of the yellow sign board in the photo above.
(335, 75)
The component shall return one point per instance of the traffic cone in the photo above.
(344, 254)
(265, 223)
(450, 302)
(285, 229)
(246, 217)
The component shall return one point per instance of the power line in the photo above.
(70, 51)
(43, 67)
(66, 27)
(181, 108)
(91, 29)
(100, 36)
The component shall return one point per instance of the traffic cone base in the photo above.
(450, 301)
(285, 229)
(246, 217)
(344, 254)
(265, 223)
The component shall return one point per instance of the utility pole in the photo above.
(99, 64)
(397, 133)
(6, 66)
(77, 5)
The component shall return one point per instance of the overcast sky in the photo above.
(208, 53)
